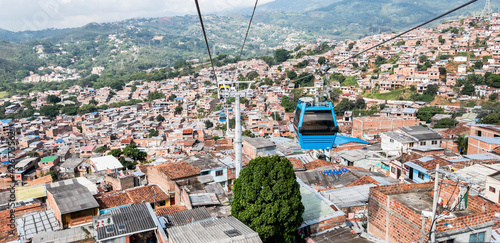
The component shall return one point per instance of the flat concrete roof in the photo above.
(422, 201)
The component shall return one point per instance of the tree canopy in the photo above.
(281, 55)
(427, 112)
(267, 199)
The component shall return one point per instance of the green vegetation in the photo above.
(446, 123)
(267, 199)
(248, 133)
(427, 112)
(395, 94)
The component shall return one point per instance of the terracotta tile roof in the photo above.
(225, 141)
(431, 164)
(113, 199)
(126, 141)
(162, 211)
(143, 168)
(408, 157)
(5, 227)
(132, 196)
(317, 164)
(147, 194)
(209, 143)
(363, 181)
(297, 164)
(42, 180)
(178, 170)
(5, 220)
(460, 129)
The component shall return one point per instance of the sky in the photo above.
(20, 15)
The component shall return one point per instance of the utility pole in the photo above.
(434, 206)
(237, 129)
(237, 135)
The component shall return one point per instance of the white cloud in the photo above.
(19, 15)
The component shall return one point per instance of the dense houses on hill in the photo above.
(162, 170)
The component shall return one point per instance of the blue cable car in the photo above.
(222, 117)
(315, 124)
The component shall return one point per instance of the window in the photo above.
(205, 172)
(296, 120)
(391, 140)
(219, 173)
(477, 237)
(420, 175)
(412, 144)
(393, 170)
(479, 133)
(434, 142)
(318, 123)
(492, 189)
(423, 143)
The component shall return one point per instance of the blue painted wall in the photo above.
(417, 179)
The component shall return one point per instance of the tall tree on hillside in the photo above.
(267, 199)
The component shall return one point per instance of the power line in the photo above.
(248, 29)
(396, 36)
(206, 41)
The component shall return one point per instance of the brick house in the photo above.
(72, 202)
(479, 145)
(376, 125)
(165, 175)
(485, 130)
(396, 213)
(254, 147)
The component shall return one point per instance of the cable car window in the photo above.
(318, 123)
(296, 120)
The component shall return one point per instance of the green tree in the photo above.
(291, 74)
(276, 116)
(153, 133)
(380, 60)
(172, 97)
(209, 124)
(116, 153)
(155, 95)
(33, 154)
(493, 97)
(446, 123)
(178, 109)
(53, 99)
(463, 143)
(100, 149)
(321, 60)
(252, 75)
(281, 55)
(350, 46)
(134, 153)
(468, 89)
(360, 103)
(441, 40)
(427, 112)
(343, 106)
(160, 118)
(432, 89)
(248, 133)
(267, 199)
(423, 58)
(50, 110)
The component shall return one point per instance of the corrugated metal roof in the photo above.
(187, 216)
(124, 221)
(227, 229)
(349, 196)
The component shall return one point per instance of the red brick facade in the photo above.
(376, 125)
(391, 220)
